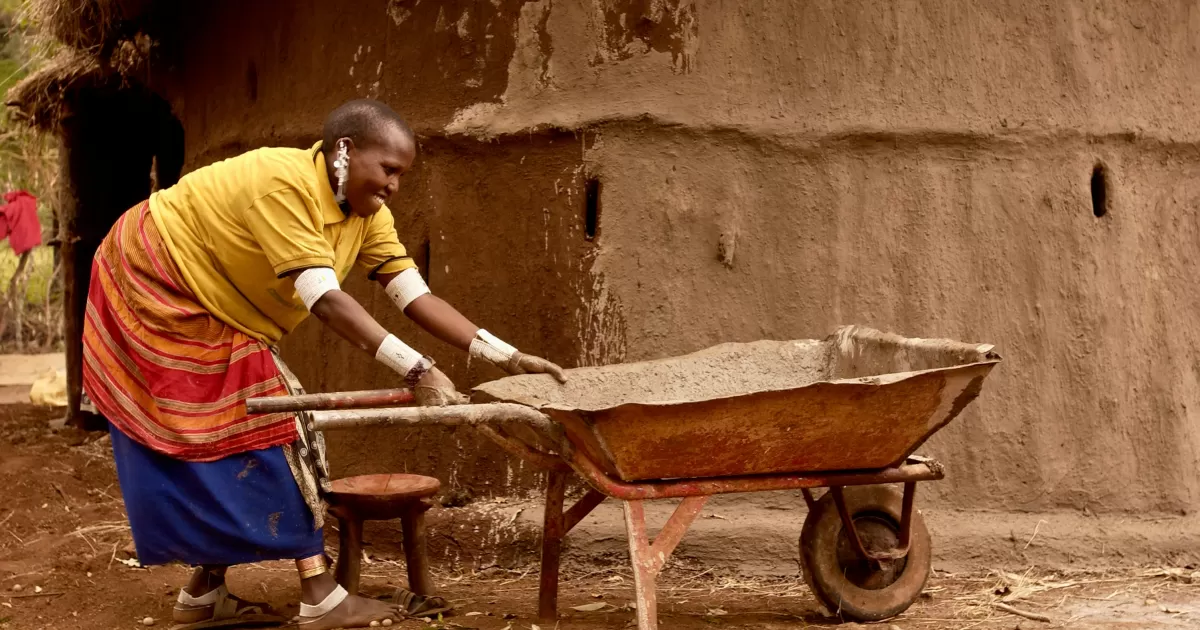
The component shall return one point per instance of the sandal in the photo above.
(416, 606)
(227, 611)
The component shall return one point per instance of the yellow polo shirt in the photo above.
(236, 226)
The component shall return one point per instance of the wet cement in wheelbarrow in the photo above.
(733, 369)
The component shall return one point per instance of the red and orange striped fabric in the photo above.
(162, 368)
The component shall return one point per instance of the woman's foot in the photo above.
(205, 599)
(329, 606)
(354, 612)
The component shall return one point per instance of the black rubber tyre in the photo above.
(852, 587)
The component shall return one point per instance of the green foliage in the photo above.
(28, 161)
(39, 271)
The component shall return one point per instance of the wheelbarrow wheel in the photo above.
(851, 586)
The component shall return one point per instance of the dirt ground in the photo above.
(65, 562)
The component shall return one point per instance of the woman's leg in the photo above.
(205, 579)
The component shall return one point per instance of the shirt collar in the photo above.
(329, 205)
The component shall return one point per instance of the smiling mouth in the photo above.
(381, 198)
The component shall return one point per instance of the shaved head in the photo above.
(365, 122)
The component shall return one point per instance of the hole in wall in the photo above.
(591, 211)
(1100, 196)
(424, 262)
(252, 82)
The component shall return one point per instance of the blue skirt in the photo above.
(240, 509)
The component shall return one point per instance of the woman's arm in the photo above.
(442, 321)
(342, 313)
(349, 319)
(445, 322)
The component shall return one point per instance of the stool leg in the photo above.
(349, 563)
(412, 524)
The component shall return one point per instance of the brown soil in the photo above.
(62, 530)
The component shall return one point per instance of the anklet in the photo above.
(311, 567)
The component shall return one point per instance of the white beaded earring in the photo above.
(341, 169)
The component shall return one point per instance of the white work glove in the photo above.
(488, 347)
(435, 389)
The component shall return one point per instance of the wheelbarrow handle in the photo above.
(333, 400)
(450, 415)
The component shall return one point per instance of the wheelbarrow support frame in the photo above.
(343, 411)
(647, 558)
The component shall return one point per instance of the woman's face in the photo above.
(375, 170)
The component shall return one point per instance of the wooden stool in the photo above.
(379, 498)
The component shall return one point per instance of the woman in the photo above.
(189, 292)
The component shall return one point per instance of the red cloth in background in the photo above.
(19, 221)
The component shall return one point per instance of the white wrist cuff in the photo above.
(314, 282)
(490, 348)
(406, 287)
(398, 355)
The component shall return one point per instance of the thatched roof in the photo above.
(83, 25)
(42, 97)
(103, 41)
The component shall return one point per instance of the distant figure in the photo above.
(19, 221)
(189, 292)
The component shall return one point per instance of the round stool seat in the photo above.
(380, 498)
(384, 496)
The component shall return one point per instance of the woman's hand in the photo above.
(522, 363)
(446, 323)
(435, 389)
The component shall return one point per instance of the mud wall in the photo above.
(772, 170)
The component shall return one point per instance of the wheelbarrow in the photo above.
(845, 413)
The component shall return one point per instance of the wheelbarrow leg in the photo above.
(555, 526)
(552, 535)
(648, 557)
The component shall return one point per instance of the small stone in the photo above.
(37, 589)
(17, 588)
(893, 627)
(89, 574)
(375, 624)
(387, 622)
(148, 621)
(1151, 602)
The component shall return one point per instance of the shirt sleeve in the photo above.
(289, 230)
(381, 250)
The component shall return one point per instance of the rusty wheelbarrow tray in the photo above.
(842, 413)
